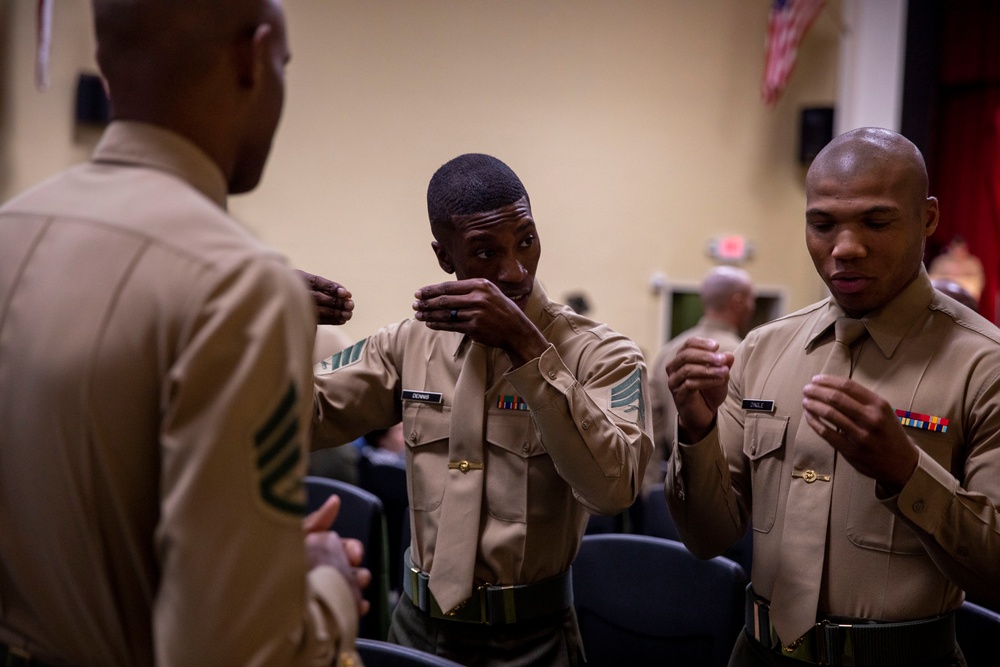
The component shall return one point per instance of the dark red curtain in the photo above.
(965, 174)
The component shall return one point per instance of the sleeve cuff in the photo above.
(543, 379)
(926, 495)
(337, 598)
(700, 455)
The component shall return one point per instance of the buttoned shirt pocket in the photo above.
(869, 524)
(515, 458)
(763, 445)
(425, 429)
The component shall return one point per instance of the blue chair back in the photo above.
(361, 517)
(383, 654)
(657, 521)
(387, 480)
(978, 632)
(644, 600)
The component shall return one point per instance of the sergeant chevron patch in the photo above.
(341, 359)
(627, 397)
(278, 455)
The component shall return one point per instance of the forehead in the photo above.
(883, 185)
(506, 219)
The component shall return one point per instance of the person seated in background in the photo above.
(959, 264)
(521, 418)
(956, 292)
(386, 446)
(861, 433)
(155, 365)
(728, 304)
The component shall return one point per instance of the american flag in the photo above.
(787, 24)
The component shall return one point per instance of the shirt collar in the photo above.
(887, 325)
(145, 145)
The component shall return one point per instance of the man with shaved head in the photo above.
(861, 435)
(156, 375)
(728, 303)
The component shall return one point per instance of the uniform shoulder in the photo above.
(154, 208)
(966, 318)
(582, 342)
(791, 321)
(580, 324)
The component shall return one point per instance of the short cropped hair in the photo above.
(468, 184)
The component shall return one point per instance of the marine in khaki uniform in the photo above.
(728, 302)
(870, 467)
(558, 422)
(155, 376)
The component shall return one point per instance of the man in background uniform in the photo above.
(521, 418)
(153, 418)
(728, 303)
(862, 432)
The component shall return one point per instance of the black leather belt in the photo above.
(15, 657)
(856, 643)
(494, 605)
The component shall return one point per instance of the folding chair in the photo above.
(644, 600)
(978, 632)
(657, 522)
(383, 654)
(361, 517)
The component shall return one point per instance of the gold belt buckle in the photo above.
(803, 648)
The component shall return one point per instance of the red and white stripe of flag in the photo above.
(787, 24)
(44, 43)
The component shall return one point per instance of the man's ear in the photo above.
(251, 51)
(930, 216)
(444, 259)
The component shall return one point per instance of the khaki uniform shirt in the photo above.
(154, 384)
(566, 434)
(662, 401)
(897, 557)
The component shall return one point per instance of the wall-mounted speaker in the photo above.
(92, 105)
(815, 132)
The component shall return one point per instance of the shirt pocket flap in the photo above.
(763, 435)
(425, 425)
(514, 433)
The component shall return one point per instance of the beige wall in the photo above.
(636, 126)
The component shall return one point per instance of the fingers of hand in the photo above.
(441, 290)
(437, 309)
(694, 374)
(825, 429)
(332, 303)
(843, 412)
(354, 549)
(841, 402)
(333, 317)
(363, 576)
(324, 517)
(697, 343)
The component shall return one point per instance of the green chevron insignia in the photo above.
(278, 454)
(342, 358)
(628, 395)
